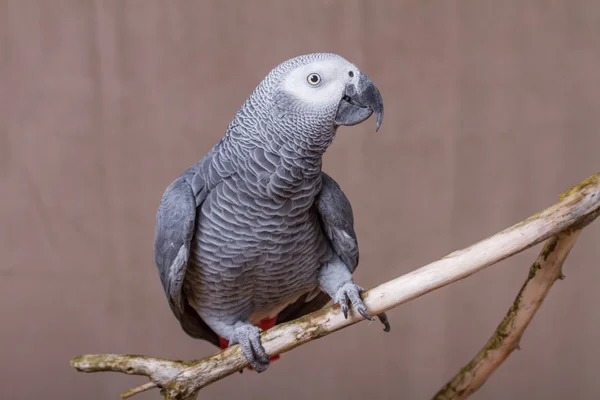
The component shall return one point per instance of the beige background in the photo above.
(492, 108)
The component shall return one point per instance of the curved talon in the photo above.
(343, 302)
(350, 291)
(364, 314)
(384, 320)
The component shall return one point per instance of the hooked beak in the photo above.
(359, 102)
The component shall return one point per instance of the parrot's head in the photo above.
(312, 95)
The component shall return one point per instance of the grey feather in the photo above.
(245, 233)
(337, 220)
(175, 224)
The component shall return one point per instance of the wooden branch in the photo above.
(182, 380)
(546, 270)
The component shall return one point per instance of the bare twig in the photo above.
(139, 389)
(183, 380)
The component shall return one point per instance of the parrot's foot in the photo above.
(248, 337)
(351, 291)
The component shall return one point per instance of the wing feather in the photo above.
(337, 221)
(175, 227)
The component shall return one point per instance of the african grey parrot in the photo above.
(255, 233)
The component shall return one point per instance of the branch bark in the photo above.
(182, 380)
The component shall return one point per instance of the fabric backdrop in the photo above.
(492, 109)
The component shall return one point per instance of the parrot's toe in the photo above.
(363, 311)
(248, 337)
(344, 306)
(384, 320)
(351, 291)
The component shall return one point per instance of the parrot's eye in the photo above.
(314, 79)
(351, 74)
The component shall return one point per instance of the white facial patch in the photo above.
(334, 74)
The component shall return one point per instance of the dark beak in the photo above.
(359, 102)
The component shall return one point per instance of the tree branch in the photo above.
(182, 380)
(542, 275)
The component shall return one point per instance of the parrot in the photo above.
(256, 233)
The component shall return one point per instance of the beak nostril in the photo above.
(350, 90)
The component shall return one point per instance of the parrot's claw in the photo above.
(344, 307)
(248, 337)
(363, 312)
(384, 320)
(351, 291)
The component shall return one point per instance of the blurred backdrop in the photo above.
(492, 109)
